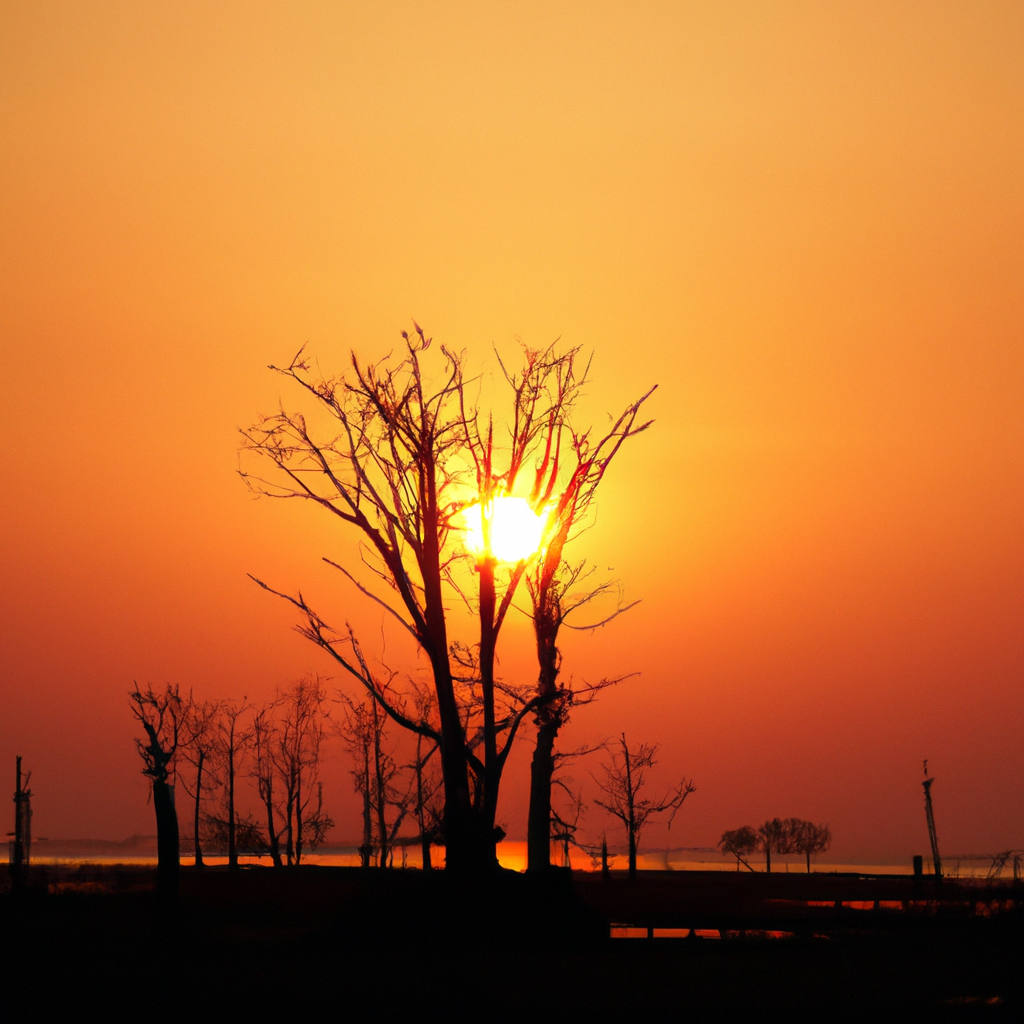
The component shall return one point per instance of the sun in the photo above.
(516, 530)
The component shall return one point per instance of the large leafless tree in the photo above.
(402, 461)
(394, 470)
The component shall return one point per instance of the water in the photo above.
(513, 855)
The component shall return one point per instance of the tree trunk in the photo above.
(420, 816)
(466, 848)
(273, 839)
(199, 790)
(632, 853)
(808, 852)
(232, 849)
(298, 819)
(366, 850)
(168, 853)
(542, 767)
(549, 719)
(768, 858)
(380, 793)
(492, 771)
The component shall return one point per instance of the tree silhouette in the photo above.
(808, 838)
(740, 842)
(573, 466)
(394, 472)
(296, 756)
(377, 775)
(623, 777)
(198, 746)
(159, 714)
(774, 836)
(232, 739)
(261, 770)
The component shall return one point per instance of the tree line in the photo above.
(778, 836)
(209, 748)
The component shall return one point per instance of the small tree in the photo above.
(198, 746)
(261, 770)
(377, 777)
(426, 805)
(774, 836)
(248, 834)
(297, 754)
(740, 842)
(623, 777)
(232, 744)
(159, 714)
(808, 838)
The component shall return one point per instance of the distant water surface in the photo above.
(513, 855)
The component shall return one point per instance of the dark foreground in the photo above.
(337, 943)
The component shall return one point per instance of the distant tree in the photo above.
(249, 837)
(261, 769)
(623, 777)
(774, 836)
(159, 714)
(566, 814)
(426, 805)
(233, 738)
(297, 755)
(379, 780)
(808, 838)
(198, 746)
(740, 842)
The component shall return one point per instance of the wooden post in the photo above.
(19, 848)
(929, 814)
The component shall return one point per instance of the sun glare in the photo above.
(516, 530)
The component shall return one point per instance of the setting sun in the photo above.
(516, 530)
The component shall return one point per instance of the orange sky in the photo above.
(802, 220)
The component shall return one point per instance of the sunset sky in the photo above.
(802, 220)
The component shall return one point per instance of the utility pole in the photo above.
(22, 824)
(929, 814)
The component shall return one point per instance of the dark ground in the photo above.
(340, 944)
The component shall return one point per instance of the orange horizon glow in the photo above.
(801, 221)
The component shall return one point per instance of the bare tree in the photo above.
(808, 838)
(232, 741)
(297, 755)
(392, 473)
(249, 837)
(378, 777)
(159, 714)
(261, 770)
(740, 842)
(774, 836)
(568, 474)
(426, 806)
(623, 777)
(565, 819)
(357, 734)
(198, 746)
